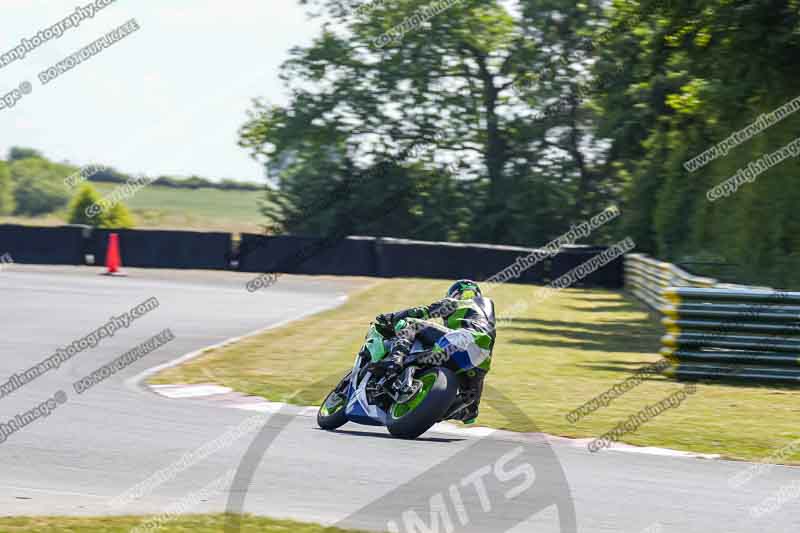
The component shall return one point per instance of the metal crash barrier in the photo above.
(719, 331)
(647, 278)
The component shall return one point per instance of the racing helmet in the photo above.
(463, 289)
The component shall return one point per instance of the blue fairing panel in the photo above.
(355, 413)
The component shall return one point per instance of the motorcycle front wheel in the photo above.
(331, 414)
(415, 416)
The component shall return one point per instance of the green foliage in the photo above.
(117, 217)
(83, 199)
(7, 203)
(39, 186)
(16, 153)
(542, 144)
(457, 88)
(194, 182)
(109, 175)
(696, 72)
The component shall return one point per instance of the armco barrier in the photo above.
(43, 245)
(719, 331)
(646, 278)
(743, 334)
(165, 249)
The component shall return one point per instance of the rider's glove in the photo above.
(385, 324)
(387, 367)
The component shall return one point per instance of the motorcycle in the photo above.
(409, 403)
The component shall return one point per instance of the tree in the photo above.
(6, 190)
(39, 186)
(17, 153)
(696, 72)
(117, 217)
(86, 197)
(363, 94)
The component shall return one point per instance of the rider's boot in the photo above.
(474, 392)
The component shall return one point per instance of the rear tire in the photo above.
(331, 414)
(413, 418)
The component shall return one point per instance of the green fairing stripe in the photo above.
(486, 364)
(454, 320)
(339, 404)
(483, 340)
(374, 344)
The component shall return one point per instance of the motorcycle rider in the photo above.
(469, 331)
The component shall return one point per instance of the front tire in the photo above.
(331, 414)
(410, 419)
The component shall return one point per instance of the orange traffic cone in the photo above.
(113, 260)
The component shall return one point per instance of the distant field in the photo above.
(203, 209)
(170, 208)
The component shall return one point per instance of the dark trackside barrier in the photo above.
(390, 257)
(443, 260)
(732, 334)
(350, 256)
(43, 245)
(354, 256)
(381, 257)
(569, 257)
(165, 248)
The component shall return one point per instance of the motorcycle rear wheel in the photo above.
(412, 418)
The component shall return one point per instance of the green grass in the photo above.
(52, 219)
(548, 361)
(183, 524)
(159, 207)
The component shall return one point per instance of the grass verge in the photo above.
(549, 360)
(183, 524)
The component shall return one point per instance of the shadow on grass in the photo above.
(742, 383)
(643, 346)
(579, 329)
(616, 366)
(624, 307)
(636, 364)
(608, 306)
(624, 335)
(603, 299)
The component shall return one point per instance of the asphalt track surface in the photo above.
(105, 441)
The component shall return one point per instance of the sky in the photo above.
(168, 99)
